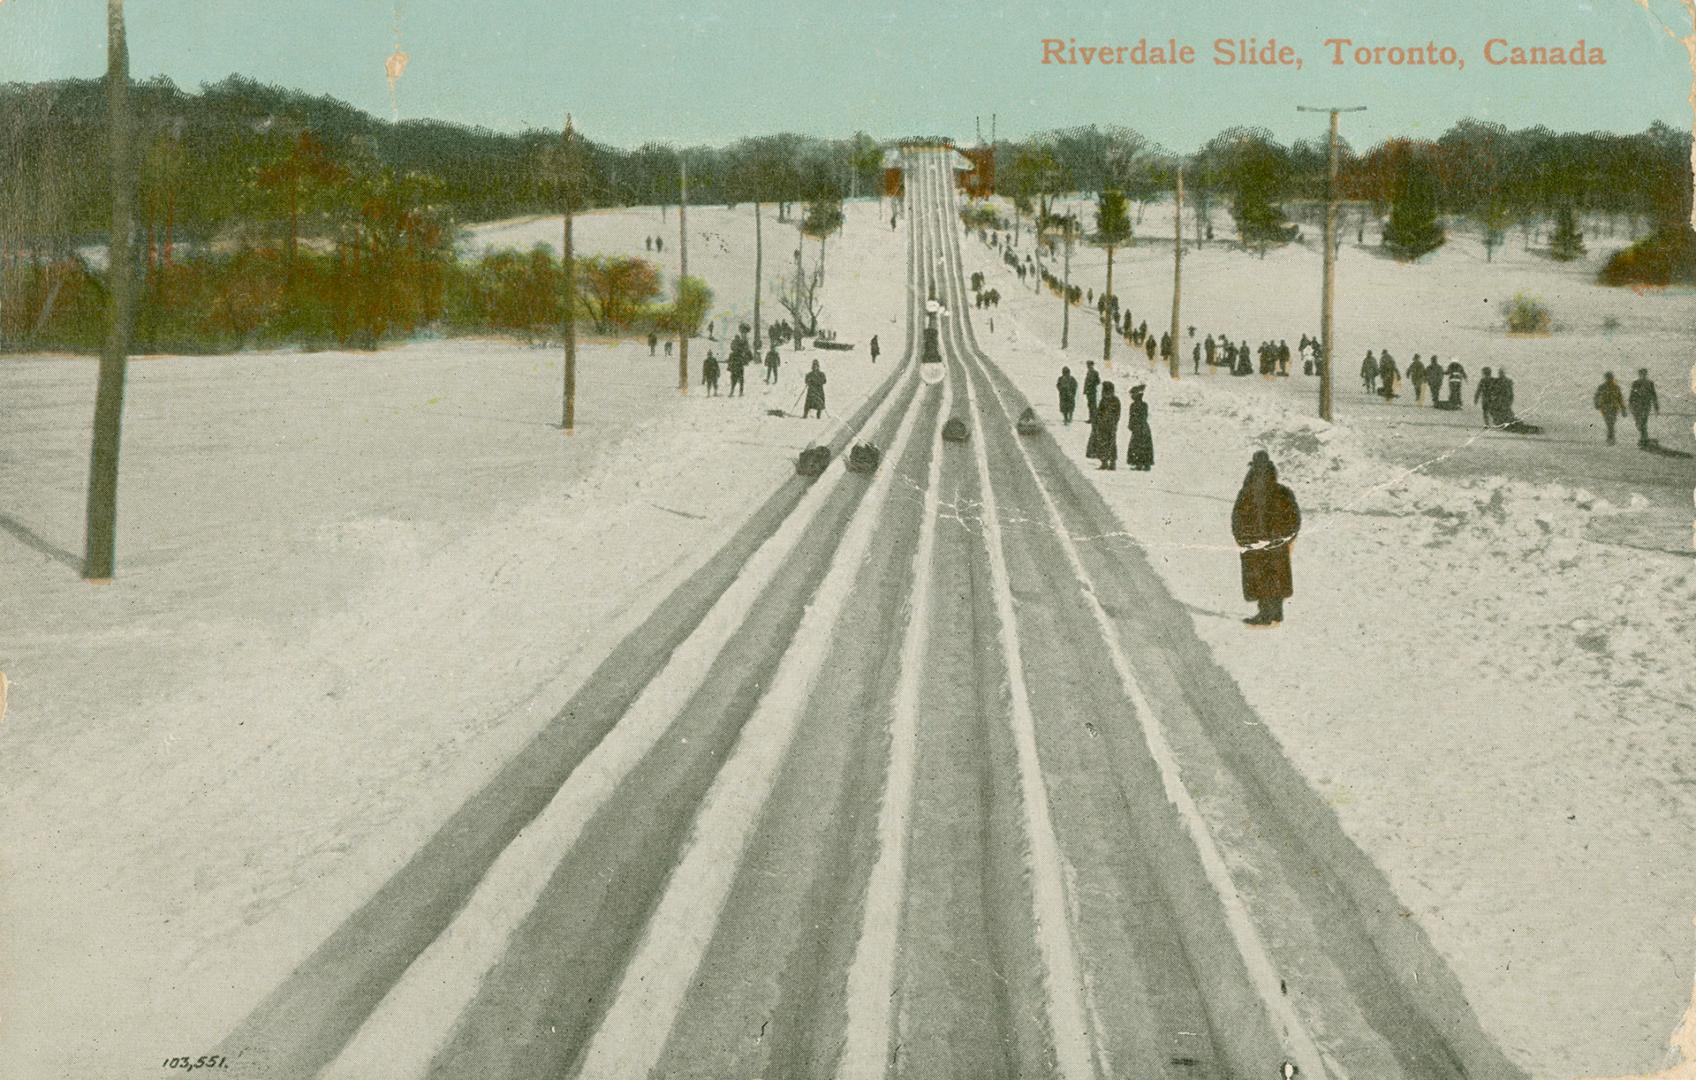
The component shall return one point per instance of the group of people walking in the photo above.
(1103, 411)
(1643, 401)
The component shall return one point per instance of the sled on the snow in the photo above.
(1028, 424)
(864, 458)
(954, 430)
(1517, 426)
(813, 461)
(838, 346)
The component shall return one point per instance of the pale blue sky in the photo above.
(712, 70)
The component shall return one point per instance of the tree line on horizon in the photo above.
(267, 215)
(1478, 172)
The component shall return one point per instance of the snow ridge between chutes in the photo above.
(1074, 1045)
(1299, 1043)
(633, 1033)
(417, 1016)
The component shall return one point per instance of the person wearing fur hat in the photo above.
(1265, 521)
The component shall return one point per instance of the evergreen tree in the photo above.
(1568, 243)
(1112, 228)
(1260, 222)
(1413, 229)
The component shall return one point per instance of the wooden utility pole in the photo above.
(1066, 288)
(1328, 292)
(1177, 271)
(1107, 315)
(759, 252)
(682, 271)
(100, 539)
(568, 262)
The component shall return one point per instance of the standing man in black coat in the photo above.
(741, 355)
(772, 361)
(1265, 521)
(875, 349)
(1092, 390)
(1068, 387)
(815, 393)
(1643, 398)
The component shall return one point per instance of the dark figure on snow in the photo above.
(668, 345)
(709, 373)
(1067, 384)
(647, 243)
(875, 349)
(1242, 365)
(1195, 360)
(1283, 357)
(1369, 371)
(772, 362)
(653, 341)
(1504, 404)
(1416, 379)
(1092, 390)
(1265, 521)
(1643, 400)
(1104, 430)
(1140, 455)
(1484, 396)
(1609, 402)
(1387, 376)
(1435, 377)
(1209, 350)
(740, 357)
(659, 243)
(1148, 347)
(815, 392)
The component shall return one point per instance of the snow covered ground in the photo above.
(350, 586)
(1488, 666)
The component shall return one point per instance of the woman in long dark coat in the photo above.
(1141, 453)
(1104, 430)
(1265, 521)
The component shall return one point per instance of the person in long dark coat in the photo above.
(1484, 395)
(1609, 402)
(1092, 390)
(1104, 430)
(1140, 456)
(709, 373)
(741, 355)
(875, 350)
(1265, 521)
(1435, 376)
(772, 362)
(815, 392)
(1643, 399)
(1416, 379)
(1067, 384)
(1149, 347)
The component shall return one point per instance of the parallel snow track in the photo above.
(1299, 1042)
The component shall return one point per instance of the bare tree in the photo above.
(799, 296)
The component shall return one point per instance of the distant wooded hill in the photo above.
(261, 161)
